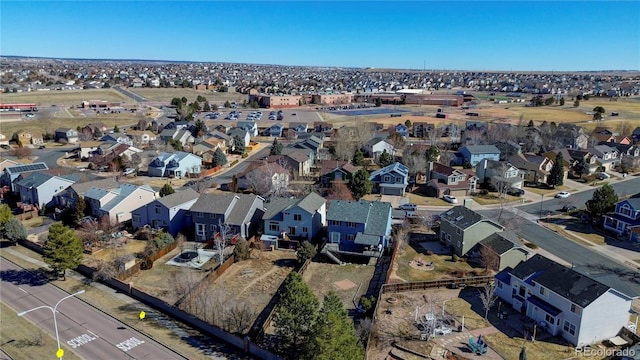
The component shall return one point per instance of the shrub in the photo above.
(429, 252)
(233, 163)
(455, 258)
(245, 155)
(531, 245)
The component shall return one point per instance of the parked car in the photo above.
(450, 199)
(515, 192)
(568, 208)
(563, 195)
(408, 206)
(603, 176)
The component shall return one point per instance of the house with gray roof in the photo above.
(376, 146)
(355, 227)
(476, 153)
(66, 135)
(39, 188)
(68, 197)
(390, 180)
(168, 212)
(178, 164)
(564, 302)
(241, 212)
(297, 219)
(243, 134)
(500, 250)
(625, 220)
(606, 156)
(117, 204)
(249, 126)
(462, 229)
(11, 173)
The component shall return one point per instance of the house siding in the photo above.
(467, 238)
(173, 219)
(603, 318)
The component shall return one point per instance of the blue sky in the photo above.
(478, 35)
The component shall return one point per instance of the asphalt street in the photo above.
(82, 329)
(612, 272)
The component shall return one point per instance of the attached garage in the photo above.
(392, 189)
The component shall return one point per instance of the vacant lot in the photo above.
(166, 94)
(67, 97)
(347, 281)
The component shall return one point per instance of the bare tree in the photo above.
(488, 297)
(474, 137)
(339, 191)
(344, 146)
(414, 160)
(489, 259)
(500, 181)
(269, 179)
(181, 240)
(222, 239)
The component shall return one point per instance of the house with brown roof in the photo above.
(445, 180)
(336, 170)
(25, 137)
(298, 161)
(535, 168)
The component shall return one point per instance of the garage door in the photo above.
(458, 192)
(391, 191)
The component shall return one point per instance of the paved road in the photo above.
(130, 94)
(83, 329)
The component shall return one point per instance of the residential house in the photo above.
(241, 212)
(177, 125)
(603, 134)
(607, 157)
(11, 173)
(4, 140)
(222, 128)
(445, 180)
(117, 204)
(564, 302)
(249, 126)
(297, 161)
(500, 250)
(355, 227)
(534, 168)
(508, 148)
(462, 229)
(422, 129)
(574, 157)
(402, 129)
(69, 197)
(312, 143)
(390, 180)
(376, 146)
(299, 128)
(499, 173)
(629, 154)
(24, 137)
(181, 135)
(243, 134)
(5, 163)
(120, 138)
(476, 153)
(300, 219)
(570, 136)
(228, 140)
(88, 148)
(141, 138)
(39, 188)
(168, 212)
(625, 221)
(274, 130)
(262, 178)
(66, 135)
(336, 170)
(177, 164)
(323, 127)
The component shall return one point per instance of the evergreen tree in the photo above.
(582, 167)
(276, 147)
(219, 158)
(227, 104)
(562, 101)
(334, 335)
(5, 215)
(166, 190)
(238, 145)
(556, 175)
(62, 250)
(385, 159)
(358, 158)
(432, 154)
(206, 106)
(14, 230)
(305, 251)
(77, 213)
(360, 185)
(604, 200)
(576, 103)
(116, 129)
(295, 315)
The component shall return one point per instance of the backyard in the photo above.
(348, 281)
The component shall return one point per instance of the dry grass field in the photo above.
(166, 94)
(347, 281)
(65, 98)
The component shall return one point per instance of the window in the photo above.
(273, 227)
(351, 237)
(201, 229)
(569, 328)
(543, 291)
(335, 237)
(157, 209)
(199, 214)
(576, 309)
(549, 319)
(292, 230)
(213, 216)
(386, 178)
(212, 228)
(297, 217)
(521, 291)
(499, 284)
(305, 229)
(458, 231)
(334, 223)
(351, 224)
(624, 210)
(135, 218)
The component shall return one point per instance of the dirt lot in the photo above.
(347, 281)
(257, 279)
(67, 97)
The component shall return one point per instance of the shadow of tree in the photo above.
(26, 277)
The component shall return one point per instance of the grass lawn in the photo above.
(22, 339)
(509, 348)
(344, 280)
(442, 265)
(131, 247)
(426, 200)
(34, 222)
(460, 308)
(549, 192)
(52, 123)
(492, 198)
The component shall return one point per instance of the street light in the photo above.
(541, 199)
(59, 351)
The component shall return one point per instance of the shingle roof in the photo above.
(275, 207)
(34, 179)
(178, 198)
(568, 283)
(501, 242)
(213, 203)
(107, 183)
(240, 210)
(123, 192)
(374, 214)
(482, 149)
(311, 203)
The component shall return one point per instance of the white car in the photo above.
(450, 199)
(563, 195)
(408, 206)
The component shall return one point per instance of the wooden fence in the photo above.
(136, 268)
(431, 284)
